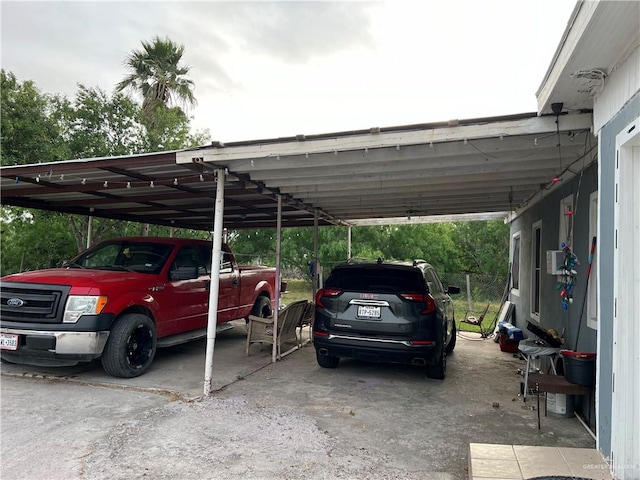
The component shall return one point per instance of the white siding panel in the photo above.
(619, 87)
(625, 444)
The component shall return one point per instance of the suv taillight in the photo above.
(427, 299)
(326, 292)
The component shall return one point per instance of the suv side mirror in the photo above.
(451, 290)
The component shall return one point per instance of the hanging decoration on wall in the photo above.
(567, 280)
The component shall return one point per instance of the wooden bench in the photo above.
(539, 383)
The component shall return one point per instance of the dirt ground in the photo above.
(289, 420)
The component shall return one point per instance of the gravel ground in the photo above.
(210, 438)
(289, 420)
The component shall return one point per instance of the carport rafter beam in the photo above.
(363, 222)
(469, 161)
(81, 210)
(296, 203)
(447, 154)
(413, 135)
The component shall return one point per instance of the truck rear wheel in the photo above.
(262, 307)
(131, 346)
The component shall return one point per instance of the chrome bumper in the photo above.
(69, 343)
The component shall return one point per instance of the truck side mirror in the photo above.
(183, 273)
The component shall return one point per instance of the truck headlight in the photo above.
(78, 305)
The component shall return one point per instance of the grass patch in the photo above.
(297, 290)
(460, 307)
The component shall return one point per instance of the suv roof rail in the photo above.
(418, 261)
(354, 260)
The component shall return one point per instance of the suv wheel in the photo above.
(438, 369)
(327, 361)
(452, 342)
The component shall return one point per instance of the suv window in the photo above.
(433, 281)
(376, 279)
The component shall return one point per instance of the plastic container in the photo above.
(579, 367)
(560, 405)
(507, 345)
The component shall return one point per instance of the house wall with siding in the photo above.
(622, 83)
(607, 153)
(552, 313)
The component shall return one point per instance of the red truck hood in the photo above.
(81, 278)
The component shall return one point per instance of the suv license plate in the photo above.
(366, 311)
(8, 342)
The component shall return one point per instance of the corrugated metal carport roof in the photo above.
(382, 175)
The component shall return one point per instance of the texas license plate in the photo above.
(366, 311)
(8, 341)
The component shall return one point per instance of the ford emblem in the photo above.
(15, 302)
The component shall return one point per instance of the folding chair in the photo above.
(471, 320)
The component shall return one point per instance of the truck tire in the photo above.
(130, 347)
(262, 307)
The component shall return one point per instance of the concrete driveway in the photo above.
(289, 420)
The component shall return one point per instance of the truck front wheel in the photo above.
(131, 346)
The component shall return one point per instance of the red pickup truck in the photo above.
(121, 299)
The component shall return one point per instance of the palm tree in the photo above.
(155, 73)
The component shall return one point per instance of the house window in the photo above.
(592, 287)
(536, 268)
(515, 264)
(565, 234)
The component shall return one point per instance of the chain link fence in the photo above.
(476, 291)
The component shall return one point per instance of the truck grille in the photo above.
(31, 302)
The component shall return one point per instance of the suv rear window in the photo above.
(376, 279)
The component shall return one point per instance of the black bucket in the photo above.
(579, 367)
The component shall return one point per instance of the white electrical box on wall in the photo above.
(555, 258)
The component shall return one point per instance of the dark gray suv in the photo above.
(385, 312)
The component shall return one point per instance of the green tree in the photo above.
(156, 74)
(478, 247)
(96, 124)
(483, 246)
(171, 131)
(34, 240)
(433, 242)
(29, 128)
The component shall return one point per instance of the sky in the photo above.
(278, 69)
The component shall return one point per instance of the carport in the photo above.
(451, 171)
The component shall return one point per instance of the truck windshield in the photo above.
(142, 257)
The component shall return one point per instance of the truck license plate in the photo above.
(366, 311)
(8, 342)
